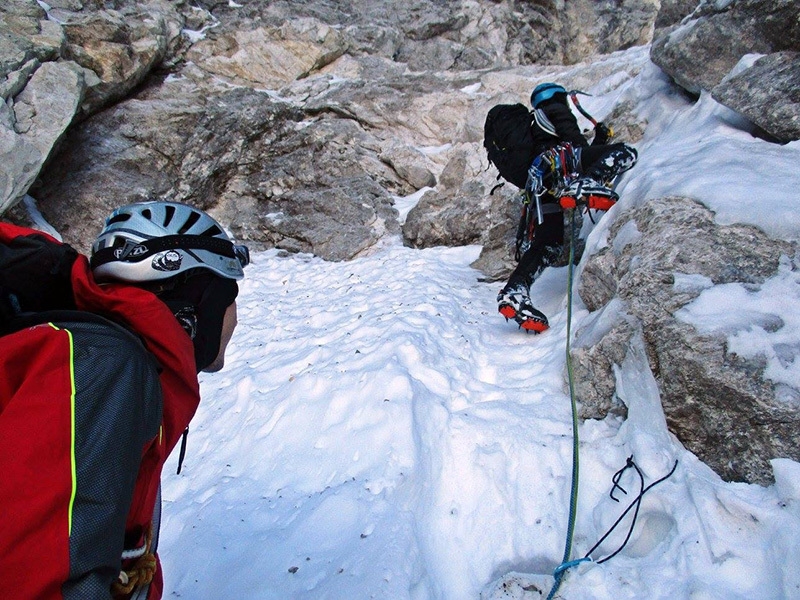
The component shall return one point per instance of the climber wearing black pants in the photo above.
(597, 167)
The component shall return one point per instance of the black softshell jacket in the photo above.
(566, 126)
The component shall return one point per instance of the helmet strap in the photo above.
(199, 302)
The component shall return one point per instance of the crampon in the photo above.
(516, 305)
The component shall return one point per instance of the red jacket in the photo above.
(38, 425)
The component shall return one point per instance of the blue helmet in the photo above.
(545, 91)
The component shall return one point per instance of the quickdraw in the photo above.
(549, 173)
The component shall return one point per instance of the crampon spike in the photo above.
(533, 325)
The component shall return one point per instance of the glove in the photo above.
(602, 134)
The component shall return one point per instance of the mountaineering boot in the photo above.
(513, 302)
(511, 298)
(586, 191)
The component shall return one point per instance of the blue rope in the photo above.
(563, 567)
(558, 573)
(566, 563)
(573, 499)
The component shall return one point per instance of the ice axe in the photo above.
(574, 96)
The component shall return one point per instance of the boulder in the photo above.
(767, 93)
(702, 53)
(699, 54)
(237, 153)
(26, 37)
(40, 116)
(66, 62)
(410, 165)
(721, 406)
(438, 220)
(269, 57)
(119, 47)
(459, 212)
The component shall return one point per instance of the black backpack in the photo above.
(508, 141)
(34, 277)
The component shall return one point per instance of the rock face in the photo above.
(118, 48)
(659, 258)
(747, 94)
(702, 54)
(467, 34)
(672, 12)
(382, 88)
(298, 134)
(316, 195)
(40, 116)
(59, 66)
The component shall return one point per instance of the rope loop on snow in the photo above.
(566, 563)
(635, 503)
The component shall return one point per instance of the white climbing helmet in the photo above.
(149, 241)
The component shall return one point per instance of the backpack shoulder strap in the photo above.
(543, 122)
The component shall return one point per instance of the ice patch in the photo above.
(404, 204)
(755, 325)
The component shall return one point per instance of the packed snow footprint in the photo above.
(362, 457)
(381, 432)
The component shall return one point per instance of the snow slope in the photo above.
(380, 431)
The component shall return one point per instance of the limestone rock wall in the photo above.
(292, 121)
(746, 53)
(716, 402)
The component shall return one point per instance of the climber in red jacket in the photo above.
(98, 381)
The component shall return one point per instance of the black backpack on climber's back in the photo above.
(508, 141)
(35, 275)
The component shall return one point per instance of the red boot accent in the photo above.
(507, 311)
(567, 202)
(601, 202)
(534, 325)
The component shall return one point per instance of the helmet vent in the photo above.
(190, 220)
(159, 226)
(169, 213)
(212, 231)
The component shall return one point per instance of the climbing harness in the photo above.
(549, 174)
(552, 170)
